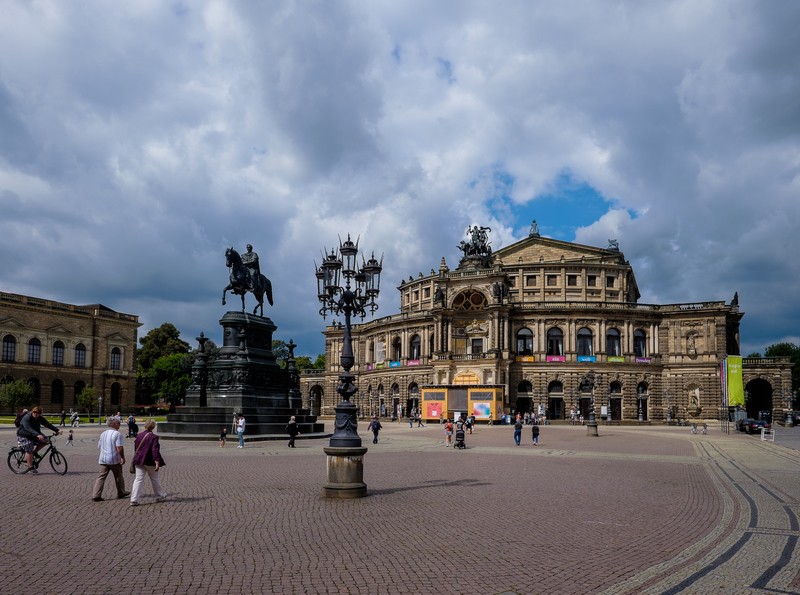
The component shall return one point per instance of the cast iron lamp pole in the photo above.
(361, 287)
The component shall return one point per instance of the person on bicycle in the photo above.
(30, 437)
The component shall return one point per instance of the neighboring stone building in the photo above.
(61, 348)
(544, 325)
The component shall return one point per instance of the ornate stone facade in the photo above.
(526, 326)
(61, 348)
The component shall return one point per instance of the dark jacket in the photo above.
(148, 450)
(292, 429)
(30, 427)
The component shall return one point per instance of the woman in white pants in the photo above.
(147, 460)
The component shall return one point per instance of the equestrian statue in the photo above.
(246, 276)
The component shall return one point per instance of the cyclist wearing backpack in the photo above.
(29, 434)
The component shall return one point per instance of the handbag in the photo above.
(132, 468)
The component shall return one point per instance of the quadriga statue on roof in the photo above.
(245, 275)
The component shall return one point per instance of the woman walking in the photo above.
(147, 460)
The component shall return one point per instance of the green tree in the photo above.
(16, 395)
(281, 352)
(161, 341)
(169, 377)
(303, 362)
(86, 399)
(319, 363)
(791, 351)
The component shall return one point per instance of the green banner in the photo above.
(733, 380)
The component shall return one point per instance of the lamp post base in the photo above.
(345, 473)
(591, 428)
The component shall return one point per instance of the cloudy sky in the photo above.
(139, 139)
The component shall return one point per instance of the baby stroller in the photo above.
(460, 438)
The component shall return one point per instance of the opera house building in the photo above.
(547, 327)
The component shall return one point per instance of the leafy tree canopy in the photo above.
(791, 351)
(86, 398)
(161, 341)
(170, 376)
(16, 395)
(281, 352)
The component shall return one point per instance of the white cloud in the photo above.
(141, 140)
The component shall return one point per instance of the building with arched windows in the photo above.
(61, 348)
(549, 327)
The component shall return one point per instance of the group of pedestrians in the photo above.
(519, 424)
(146, 461)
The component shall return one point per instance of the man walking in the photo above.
(112, 458)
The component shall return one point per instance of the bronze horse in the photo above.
(240, 282)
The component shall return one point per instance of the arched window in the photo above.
(396, 348)
(34, 351)
(639, 343)
(116, 359)
(80, 355)
(9, 348)
(115, 393)
(641, 389)
(524, 342)
(555, 342)
(57, 392)
(469, 300)
(524, 387)
(415, 350)
(58, 354)
(413, 390)
(585, 342)
(555, 387)
(76, 390)
(615, 388)
(613, 344)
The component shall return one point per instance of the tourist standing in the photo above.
(69, 439)
(535, 434)
(292, 430)
(240, 431)
(448, 432)
(223, 435)
(147, 460)
(112, 458)
(63, 419)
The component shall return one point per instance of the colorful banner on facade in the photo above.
(556, 358)
(526, 358)
(587, 358)
(733, 380)
(643, 360)
(616, 359)
(394, 364)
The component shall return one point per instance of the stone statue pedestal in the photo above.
(245, 379)
(345, 472)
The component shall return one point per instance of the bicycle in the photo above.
(16, 458)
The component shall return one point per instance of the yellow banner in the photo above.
(733, 380)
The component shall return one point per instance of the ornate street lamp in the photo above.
(361, 288)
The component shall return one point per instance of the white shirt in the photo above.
(108, 443)
(241, 425)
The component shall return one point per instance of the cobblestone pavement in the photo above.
(636, 510)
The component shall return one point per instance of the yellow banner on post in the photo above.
(733, 380)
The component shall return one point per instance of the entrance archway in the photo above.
(758, 399)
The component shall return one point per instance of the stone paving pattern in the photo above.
(636, 510)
